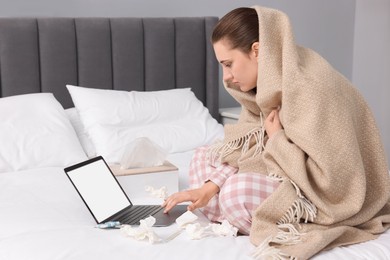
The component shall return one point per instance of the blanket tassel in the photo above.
(302, 208)
(220, 150)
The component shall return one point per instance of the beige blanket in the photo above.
(329, 158)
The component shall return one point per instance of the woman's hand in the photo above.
(199, 197)
(272, 123)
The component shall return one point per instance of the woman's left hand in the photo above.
(272, 123)
(199, 197)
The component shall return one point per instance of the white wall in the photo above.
(371, 64)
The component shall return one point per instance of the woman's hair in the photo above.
(240, 27)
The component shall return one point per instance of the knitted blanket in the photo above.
(334, 180)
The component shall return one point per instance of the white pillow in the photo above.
(35, 132)
(85, 140)
(174, 119)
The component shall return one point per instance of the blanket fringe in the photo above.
(288, 234)
(220, 150)
(274, 177)
(302, 208)
(266, 252)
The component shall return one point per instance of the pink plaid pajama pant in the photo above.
(240, 193)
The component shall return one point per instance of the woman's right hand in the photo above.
(199, 197)
(272, 123)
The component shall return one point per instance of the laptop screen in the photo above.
(99, 189)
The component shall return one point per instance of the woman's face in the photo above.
(239, 68)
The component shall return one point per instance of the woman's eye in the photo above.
(228, 65)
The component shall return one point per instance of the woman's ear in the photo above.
(255, 48)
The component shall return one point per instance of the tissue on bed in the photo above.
(144, 230)
(224, 229)
(141, 153)
(186, 218)
(196, 231)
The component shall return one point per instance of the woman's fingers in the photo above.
(169, 203)
(276, 116)
(198, 204)
(272, 123)
(199, 197)
(192, 207)
(272, 117)
(175, 199)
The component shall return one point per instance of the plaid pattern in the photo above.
(240, 194)
(200, 172)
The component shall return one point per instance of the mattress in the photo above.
(43, 218)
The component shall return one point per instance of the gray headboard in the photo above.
(45, 54)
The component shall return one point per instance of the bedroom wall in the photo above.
(371, 64)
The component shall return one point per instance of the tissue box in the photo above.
(135, 180)
(166, 166)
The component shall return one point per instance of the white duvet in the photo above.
(43, 218)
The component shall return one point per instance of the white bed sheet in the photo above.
(43, 218)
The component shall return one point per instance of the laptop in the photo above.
(106, 199)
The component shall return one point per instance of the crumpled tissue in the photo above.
(161, 193)
(196, 231)
(142, 153)
(143, 231)
(185, 222)
(186, 218)
(224, 229)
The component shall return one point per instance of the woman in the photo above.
(303, 124)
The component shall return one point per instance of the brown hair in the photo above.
(240, 27)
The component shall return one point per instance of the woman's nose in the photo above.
(227, 75)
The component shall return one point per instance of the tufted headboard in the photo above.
(143, 54)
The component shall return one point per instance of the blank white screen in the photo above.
(99, 189)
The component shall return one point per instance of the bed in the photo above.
(74, 88)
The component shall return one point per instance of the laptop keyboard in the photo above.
(137, 213)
